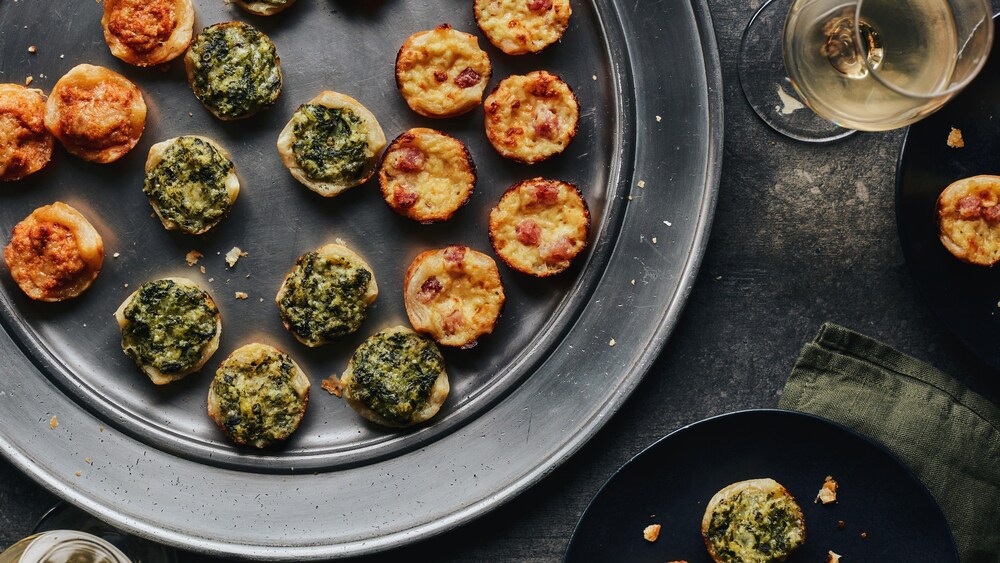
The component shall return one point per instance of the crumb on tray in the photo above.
(828, 493)
(192, 258)
(332, 386)
(651, 532)
(955, 140)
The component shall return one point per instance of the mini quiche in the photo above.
(25, 143)
(453, 294)
(234, 70)
(426, 175)
(442, 72)
(96, 113)
(755, 521)
(147, 32)
(55, 253)
(968, 214)
(331, 143)
(539, 226)
(531, 117)
(264, 7)
(170, 327)
(191, 183)
(326, 295)
(396, 378)
(258, 396)
(517, 27)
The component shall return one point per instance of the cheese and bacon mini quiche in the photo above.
(147, 32)
(539, 226)
(442, 72)
(96, 113)
(55, 253)
(233, 70)
(191, 183)
(426, 175)
(326, 295)
(170, 327)
(755, 521)
(331, 143)
(453, 294)
(396, 378)
(531, 117)
(264, 7)
(517, 27)
(25, 143)
(968, 213)
(258, 396)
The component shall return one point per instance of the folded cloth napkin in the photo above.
(948, 435)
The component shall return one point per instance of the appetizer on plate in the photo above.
(264, 7)
(170, 327)
(539, 226)
(55, 253)
(234, 70)
(191, 183)
(531, 117)
(426, 175)
(755, 521)
(517, 27)
(396, 378)
(331, 143)
(96, 113)
(147, 32)
(25, 143)
(453, 294)
(442, 72)
(326, 295)
(258, 396)
(968, 213)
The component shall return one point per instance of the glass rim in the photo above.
(988, 17)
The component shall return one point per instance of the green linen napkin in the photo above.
(948, 435)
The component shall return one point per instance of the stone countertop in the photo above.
(803, 234)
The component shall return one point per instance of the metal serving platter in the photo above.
(522, 401)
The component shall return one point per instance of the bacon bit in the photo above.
(515, 104)
(332, 386)
(528, 232)
(429, 289)
(547, 193)
(455, 254)
(546, 123)
(440, 75)
(443, 27)
(992, 213)
(955, 140)
(493, 107)
(841, 525)
(467, 78)
(453, 322)
(411, 159)
(510, 137)
(404, 197)
(192, 258)
(559, 251)
(651, 532)
(54, 423)
(539, 5)
(543, 86)
(828, 493)
(968, 207)
(513, 23)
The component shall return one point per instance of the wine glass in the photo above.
(903, 61)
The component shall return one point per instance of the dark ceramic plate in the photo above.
(964, 297)
(671, 482)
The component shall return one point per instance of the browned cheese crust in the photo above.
(517, 27)
(442, 72)
(453, 294)
(25, 143)
(426, 175)
(968, 213)
(539, 226)
(55, 253)
(147, 32)
(531, 117)
(96, 113)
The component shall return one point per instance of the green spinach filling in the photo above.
(234, 70)
(257, 401)
(394, 374)
(188, 186)
(168, 326)
(324, 298)
(330, 144)
(755, 528)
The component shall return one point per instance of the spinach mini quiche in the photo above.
(331, 143)
(754, 521)
(170, 327)
(396, 378)
(191, 183)
(326, 295)
(234, 70)
(258, 396)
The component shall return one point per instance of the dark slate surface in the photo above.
(803, 234)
